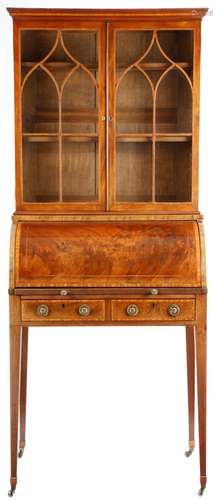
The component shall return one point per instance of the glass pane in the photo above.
(150, 82)
(40, 107)
(174, 104)
(154, 56)
(173, 171)
(133, 171)
(134, 101)
(79, 104)
(177, 45)
(40, 171)
(36, 44)
(134, 104)
(130, 46)
(54, 141)
(79, 98)
(80, 171)
(82, 45)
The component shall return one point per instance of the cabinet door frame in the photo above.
(61, 207)
(154, 206)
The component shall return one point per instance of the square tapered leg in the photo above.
(201, 356)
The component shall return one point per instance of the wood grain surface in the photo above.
(108, 254)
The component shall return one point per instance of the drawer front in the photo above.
(67, 310)
(153, 310)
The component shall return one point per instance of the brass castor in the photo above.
(201, 491)
(21, 451)
(189, 452)
(11, 492)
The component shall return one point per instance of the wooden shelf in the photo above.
(49, 198)
(78, 115)
(134, 137)
(151, 66)
(168, 199)
(58, 65)
(172, 137)
(158, 66)
(163, 115)
(44, 137)
(66, 198)
(178, 137)
(82, 199)
(127, 198)
(40, 137)
(55, 137)
(155, 66)
(80, 137)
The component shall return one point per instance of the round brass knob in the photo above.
(63, 292)
(132, 310)
(153, 291)
(84, 310)
(174, 310)
(42, 310)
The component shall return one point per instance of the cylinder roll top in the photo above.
(108, 254)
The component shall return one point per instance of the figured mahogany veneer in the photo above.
(108, 254)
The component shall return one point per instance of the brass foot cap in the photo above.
(201, 491)
(21, 451)
(188, 453)
(11, 492)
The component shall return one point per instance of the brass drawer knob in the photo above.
(174, 310)
(132, 310)
(84, 310)
(42, 310)
(153, 291)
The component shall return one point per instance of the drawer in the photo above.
(153, 310)
(59, 310)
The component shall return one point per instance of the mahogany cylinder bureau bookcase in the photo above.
(107, 229)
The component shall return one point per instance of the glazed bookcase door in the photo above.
(63, 127)
(152, 107)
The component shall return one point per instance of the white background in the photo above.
(107, 407)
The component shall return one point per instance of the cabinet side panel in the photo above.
(12, 254)
(18, 111)
(196, 115)
(203, 254)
